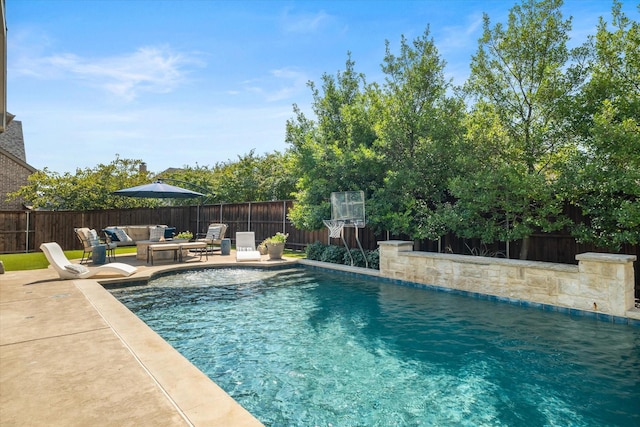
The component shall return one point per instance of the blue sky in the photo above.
(197, 82)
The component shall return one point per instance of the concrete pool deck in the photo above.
(71, 354)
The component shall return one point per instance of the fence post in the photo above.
(284, 216)
(26, 245)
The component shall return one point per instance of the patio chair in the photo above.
(111, 246)
(68, 270)
(89, 240)
(214, 236)
(246, 246)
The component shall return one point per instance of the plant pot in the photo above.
(275, 250)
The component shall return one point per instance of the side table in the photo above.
(99, 254)
(225, 247)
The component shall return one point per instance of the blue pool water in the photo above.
(306, 348)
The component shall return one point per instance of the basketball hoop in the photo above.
(335, 227)
(347, 210)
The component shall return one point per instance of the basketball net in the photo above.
(335, 227)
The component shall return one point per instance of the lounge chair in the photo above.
(246, 246)
(214, 236)
(68, 270)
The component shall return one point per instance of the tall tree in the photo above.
(603, 178)
(515, 135)
(419, 128)
(334, 152)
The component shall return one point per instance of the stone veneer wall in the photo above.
(602, 283)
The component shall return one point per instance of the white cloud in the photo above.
(456, 37)
(305, 22)
(153, 69)
(281, 84)
(455, 42)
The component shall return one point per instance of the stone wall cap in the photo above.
(395, 243)
(603, 257)
(480, 260)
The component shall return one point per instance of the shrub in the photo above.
(314, 251)
(358, 258)
(373, 257)
(318, 251)
(334, 254)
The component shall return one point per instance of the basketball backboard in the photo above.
(348, 206)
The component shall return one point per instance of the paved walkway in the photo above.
(72, 355)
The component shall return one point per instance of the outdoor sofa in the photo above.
(128, 235)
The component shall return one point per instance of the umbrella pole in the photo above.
(198, 217)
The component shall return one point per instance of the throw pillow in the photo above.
(112, 235)
(169, 232)
(122, 236)
(92, 236)
(76, 268)
(155, 233)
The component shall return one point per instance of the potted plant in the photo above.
(184, 235)
(275, 245)
(262, 247)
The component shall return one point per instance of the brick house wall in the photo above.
(14, 170)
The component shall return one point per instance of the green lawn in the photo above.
(37, 260)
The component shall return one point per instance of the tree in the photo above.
(88, 188)
(516, 128)
(419, 127)
(334, 153)
(250, 178)
(603, 177)
(254, 178)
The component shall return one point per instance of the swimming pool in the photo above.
(302, 347)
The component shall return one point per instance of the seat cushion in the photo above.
(213, 233)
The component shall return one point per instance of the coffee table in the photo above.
(142, 247)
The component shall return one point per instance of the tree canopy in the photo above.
(602, 178)
(537, 127)
(87, 189)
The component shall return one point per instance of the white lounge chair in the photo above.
(246, 247)
(68, 270)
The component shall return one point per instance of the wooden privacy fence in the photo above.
(24, 231)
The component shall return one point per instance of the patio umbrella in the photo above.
(158, 190)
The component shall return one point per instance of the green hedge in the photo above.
(339, 255)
